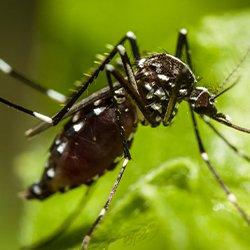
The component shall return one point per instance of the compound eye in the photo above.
(203, 100)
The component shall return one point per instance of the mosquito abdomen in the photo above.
(89, 145)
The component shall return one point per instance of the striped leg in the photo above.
(127, 158)
(83, 86)
(230, 196)
(51, 93)
(105, 208)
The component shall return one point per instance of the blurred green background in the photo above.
(55, 42)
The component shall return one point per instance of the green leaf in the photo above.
(163, 203)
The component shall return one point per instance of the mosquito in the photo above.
(101, 127)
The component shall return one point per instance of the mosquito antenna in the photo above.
(225, 90)
(231, 74)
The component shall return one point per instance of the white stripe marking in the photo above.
(131, 35)
(125, 162)
(103, 212)
(77, 127)
(109, 67)
(121, 50)
(204, 156)
(5, 67)
(56, 95)
(232, 198)
(43, 117)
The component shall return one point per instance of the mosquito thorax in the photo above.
(202, 101)
(157, 78)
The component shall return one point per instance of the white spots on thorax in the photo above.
(172, 84)
(51, 173)
(183, 92)
(120, 91)
(119, 95)
(120, 100)
(150, 94)
(163, 77)
(37, 189)
(5, 67)
(99, 110)
(149, 86)
(158, 67)
(156, 107)
(61, 147)
(77, 127)
(160, 93)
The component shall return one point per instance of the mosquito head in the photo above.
(202, 101)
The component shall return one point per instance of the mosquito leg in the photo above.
(182, 43)
(230, 196)
(221, 118)
(234, 148)
(35, 114)
(105, 208)
(118, 117)
(134, 46)
(51, 93)
(127, 157)
(84, 85)
(131, 91)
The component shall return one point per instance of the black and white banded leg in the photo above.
(54, 120)
(84, 85)
(127, 158)
(234, 148)
(230, 196)
(51, 93)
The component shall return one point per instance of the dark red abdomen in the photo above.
(88, 146)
